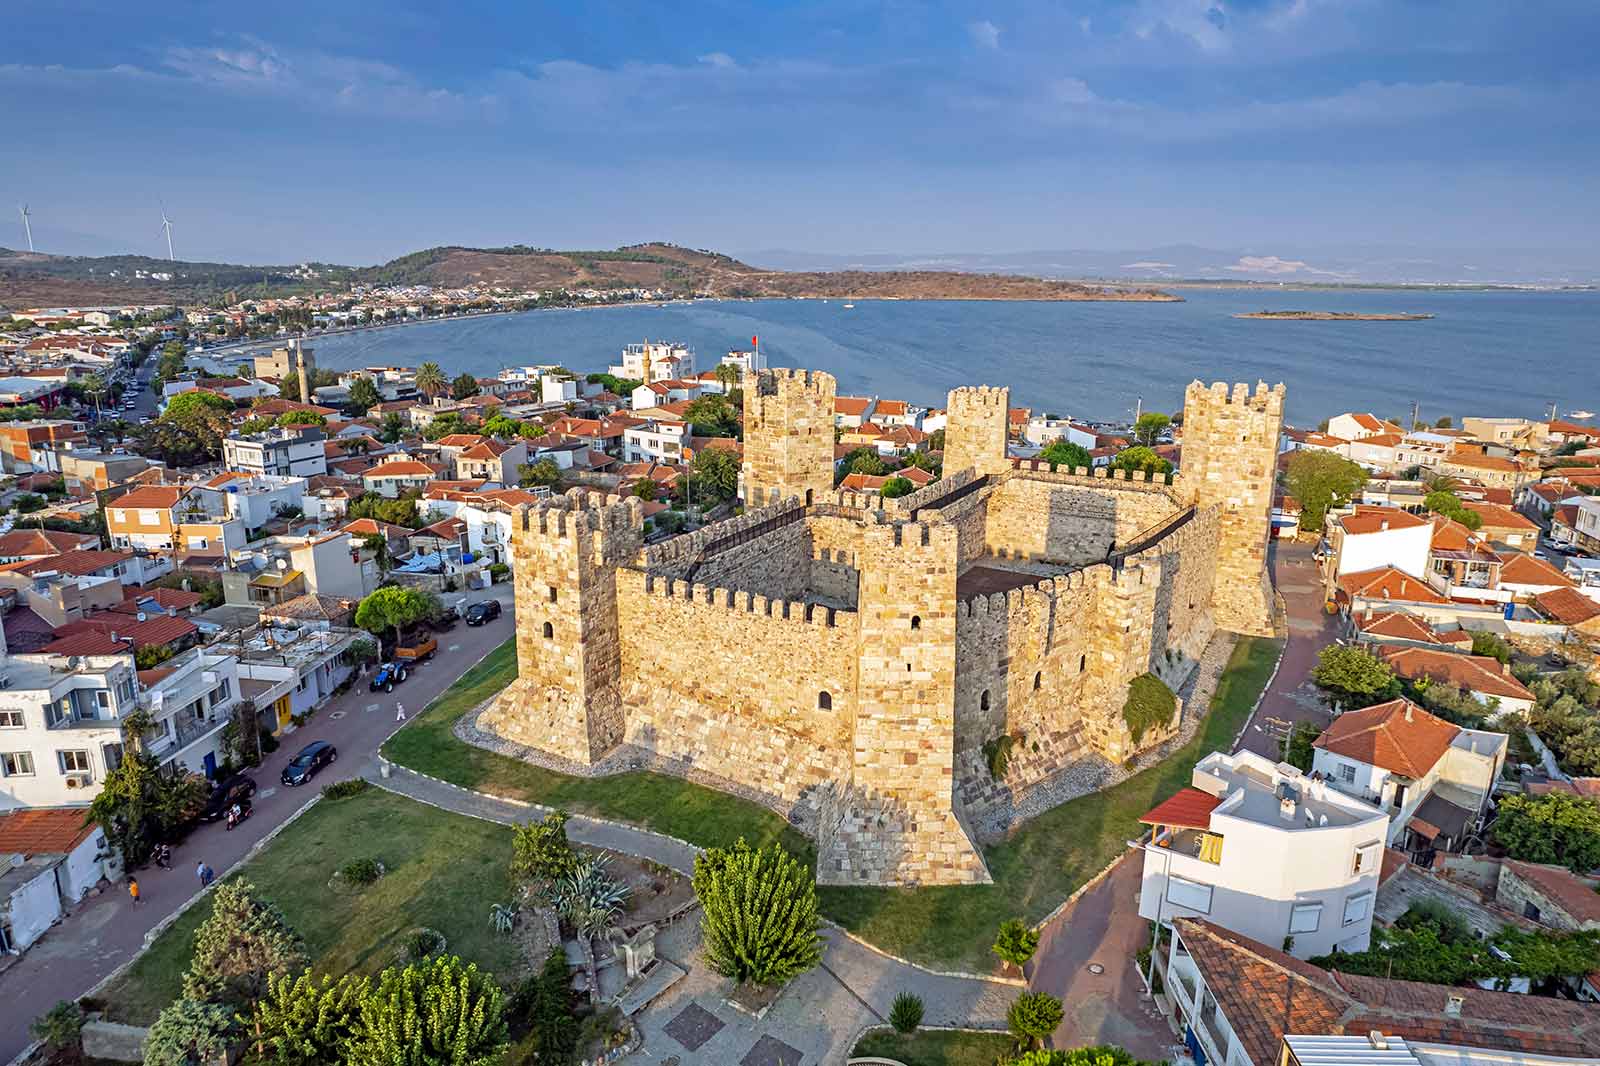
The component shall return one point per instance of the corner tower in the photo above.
(564, 559)
(788, 436)
(1230, 460)
(975, 430)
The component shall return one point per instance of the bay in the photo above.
(1485, 353)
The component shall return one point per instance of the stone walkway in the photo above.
(818, 1015)
(1292, 697)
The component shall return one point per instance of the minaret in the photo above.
(300, 367)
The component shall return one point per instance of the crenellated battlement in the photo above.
(779, 380)
(736, 601)
(1268, 399)
(969, 396)
(1016, 603)
(569, 516)
(686, 547)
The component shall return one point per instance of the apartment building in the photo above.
(656, 442)
(1370, 538)
(491, 460)
(61, 726)
(29, 447)
(283, 451)
(1266, 851)
(655, 361)
(398, 476)
(87, 471)
(191, 698)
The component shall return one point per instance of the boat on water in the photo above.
(1580, 414)
(849, 307)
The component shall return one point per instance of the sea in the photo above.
(1484, 352)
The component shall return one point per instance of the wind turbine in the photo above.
(27, 225)
(166, 227)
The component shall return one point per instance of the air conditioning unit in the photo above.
(77, 781)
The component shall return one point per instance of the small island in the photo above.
(1338, 316)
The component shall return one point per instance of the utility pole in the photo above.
(1415, 411)
(1138, 409)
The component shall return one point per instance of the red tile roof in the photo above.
(89, 642)
(1473, 673)
(155, 629)
(1519, 569)
(43, 831)
(1398, 625)
(853, 406)
(1397, 736)
(77, 562)
(1387, 583)
(1497, 517)
(1567, 606)
(401, 468)
(1188, 808)
(149, 496)
(30, 543)
(1378, 520)
(1266, 994)
(1574, 895)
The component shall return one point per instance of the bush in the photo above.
(905, 1013)
(540, 850)
(541, 1008)
(27, 503)
(361, 871)
(59, 1027)
(499, 572)
(1034, 1016)
(997, 754)
(190, 1031)
(345, 789)
(1015, 942)
(421, 944)
(759, 913)
(269, 743)
(1150, 703)
(434, 1012)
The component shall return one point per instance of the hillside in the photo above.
(31, 280)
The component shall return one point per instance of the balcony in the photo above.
(186, 731)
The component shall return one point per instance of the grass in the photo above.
(927, 1047)
(1034, 870)
(665, 804)
(1052, 855)
(443, 871)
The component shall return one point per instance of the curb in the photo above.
(1262, 698)
(873, 1060)
(961, 975)
(1061, 907)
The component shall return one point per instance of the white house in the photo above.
(191, 698)
(1266, 851)
(1432, 776)
(253, 499)
(554, 389)
(655, 361)
(1355, 425)
(283, 451)
(1042, 430)
(398, 476)
(49, 860)
(1371, 538)
(61, 726)
(656, 442)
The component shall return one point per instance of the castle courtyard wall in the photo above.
(1070, 520)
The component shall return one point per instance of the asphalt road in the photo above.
(106, 930)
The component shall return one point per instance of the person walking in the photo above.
(133, 890)
(399, 711)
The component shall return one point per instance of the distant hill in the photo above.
(31, 280)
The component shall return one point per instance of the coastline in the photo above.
(1336, 316)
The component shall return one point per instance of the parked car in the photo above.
(236, 789)
(483, 611)
(387, 677)
(304, 766)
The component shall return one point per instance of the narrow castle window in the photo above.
(916, 621)
(824, 701)
(552, 594)
(1036, 678)
(549, 630)
(1083, 661)
(983, 701)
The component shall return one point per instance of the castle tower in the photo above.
(896, 822)
(1230, 456)
(564, 558)
(788, 436)
(975, 430)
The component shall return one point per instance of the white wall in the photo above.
(1403, 549)
(35, 906)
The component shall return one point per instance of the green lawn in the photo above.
(1034, 870)
(665, 804)
(937, 1048)
(443, 872)
(1051, 856)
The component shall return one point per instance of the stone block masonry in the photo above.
(818, 651)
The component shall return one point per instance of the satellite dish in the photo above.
(283, 564)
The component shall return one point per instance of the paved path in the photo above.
(1103, 927)
(818, 1015)
(1292, 697)
(105, 931)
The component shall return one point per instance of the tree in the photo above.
(1445, 502)
(190, 1031)
(712, 416)
(60, 1027)
(1061, 454)
(431, 380)
(545, 472)
(1150, 426)
(1103, 1055)
(364, 395)
(433, 1013)
(444, 425)
(896, 487)
(463, 386)
(542, 1005)
(139, 806)
(1149, 704)
(759, 913)
(716, 474)
(1321, 481)
(500, 426)
(1443, 423)
(301, 1021)
(1034, 1016)
(646, 488)
(1353, 676)
(864, 460)
(1015, 943)
(540, 851)
(1492, 645)
(394, 607)
(301, 418)
(905, 1013)
(397, 511)
(393, 428)
(1140, 458)
(242, 943)
(1555, 828)
(196, 403)
(1297, 747)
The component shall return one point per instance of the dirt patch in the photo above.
(656, 892)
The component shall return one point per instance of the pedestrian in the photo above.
(399, 711)
(133, 890)
(207, 877)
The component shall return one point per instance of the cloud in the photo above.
(717, 59)
(1271, 264)
(985, 34)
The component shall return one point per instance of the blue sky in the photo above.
(353, 133)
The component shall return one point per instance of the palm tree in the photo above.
(727, 376)
(1441, 483)
(431, 380)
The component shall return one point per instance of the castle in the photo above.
(844, 658)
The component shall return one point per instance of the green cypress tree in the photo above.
(759, 913)
(303, 1022)
(245, 940)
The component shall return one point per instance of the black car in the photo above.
(304, 766)
(236, 789)
(484, 611)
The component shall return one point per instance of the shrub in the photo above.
(303, 1022)
(1034, 1016)
(759, 913)
(190, 1031)
(499, 571)
(421, 944)
(1104, 1055)
(905, 1013)
(345, 789)
(502, 917)
(1150, 703)
(540, 850)
(437, 1012)
(542, 1006)
(243, 942)
(1015, 942)
(997, 754)
(59, 1027)
(269, 743)
(361, 871)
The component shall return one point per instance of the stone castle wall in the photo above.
(788, 442)
(976, 429)
(1070, 520)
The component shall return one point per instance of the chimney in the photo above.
(1286, 809)
(1452, 1004)
(1378, 1041)
(1408, 710)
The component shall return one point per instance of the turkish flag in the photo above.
(754, 343)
